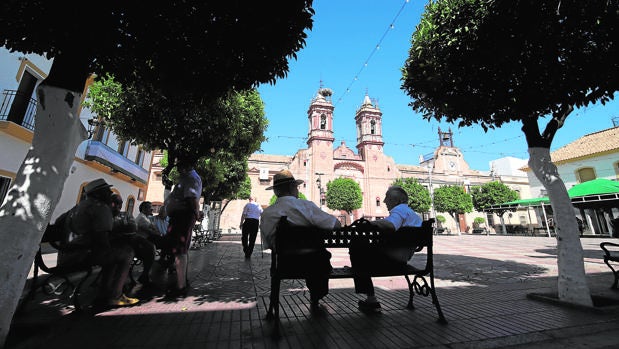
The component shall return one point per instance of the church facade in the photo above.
(374, 171)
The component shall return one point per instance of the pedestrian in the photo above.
(250, 219)
(183, 208)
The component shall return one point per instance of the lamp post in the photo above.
(430, 167)
(319, 184)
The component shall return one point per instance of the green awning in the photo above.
(594, 187)
(529, 202)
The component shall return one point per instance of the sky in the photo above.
(358, 47)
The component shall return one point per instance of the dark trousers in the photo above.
(314, 263)
(249, 233)
(365, 260)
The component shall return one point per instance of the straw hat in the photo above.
(95, 185)
(284, 177)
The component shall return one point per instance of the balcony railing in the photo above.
(18, 108)
(101, 153)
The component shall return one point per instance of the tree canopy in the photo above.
(452, 199)
(418, 195)
(491, 193)
(495, 61)
(344, 194)
(205, 47)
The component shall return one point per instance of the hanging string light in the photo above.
(376, 48)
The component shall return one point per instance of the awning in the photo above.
(594, 193)
(513, 205)
(594, 187)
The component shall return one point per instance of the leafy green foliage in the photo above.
(492, 193)
(343, 194)
(199, 47)
(452, 199)
(491, 62)
(418, 195)
(274, 198)
(441, 218)
(479, 220)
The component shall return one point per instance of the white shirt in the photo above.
(252, 210)
(299, 212)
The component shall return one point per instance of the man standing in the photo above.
(303, 213)
(92, 224)
(365, 259)
(249, 225)
(183, 208)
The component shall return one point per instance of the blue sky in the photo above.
(345, 37)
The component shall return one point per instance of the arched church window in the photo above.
(323, 121)
(377, 201)
(372, 127)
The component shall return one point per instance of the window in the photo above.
(123, 148)
(139, 158)
(5, 184)
(130, 205)
(585, 174)
(377, 201)
(372, 127)
(323, 121)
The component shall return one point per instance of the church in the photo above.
(367, 164)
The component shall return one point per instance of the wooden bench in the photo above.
(611, 256)
(54, 237)
(291, 240)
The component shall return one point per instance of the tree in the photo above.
(492, 193)
(274, 198)
(418, 195)
(222, 133)
(344, 194)
(453, 200)
(492, 62)
(179, 47)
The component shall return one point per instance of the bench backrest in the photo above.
(296, 237)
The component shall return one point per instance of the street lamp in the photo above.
(430, 167)
(319, 184)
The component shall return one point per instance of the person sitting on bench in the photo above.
(302, 213)
(365, 259)
(92, 224)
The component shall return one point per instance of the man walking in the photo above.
(250, 220)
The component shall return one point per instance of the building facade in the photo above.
(124, 165)
(592, 156)
(374, 171)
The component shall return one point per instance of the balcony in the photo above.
(97, 151)
(18, 108)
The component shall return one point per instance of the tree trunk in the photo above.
(572, 282)
(37, 188)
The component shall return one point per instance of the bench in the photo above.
(289, 240)
(54, 238)
(611, 256)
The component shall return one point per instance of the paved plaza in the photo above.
(482, 285)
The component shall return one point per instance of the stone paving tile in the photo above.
(482, 283)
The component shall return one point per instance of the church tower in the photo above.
(369, 129)
(320, 144)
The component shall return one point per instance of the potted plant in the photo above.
(439, 224)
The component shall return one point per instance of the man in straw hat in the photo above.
(302, 213)
(92, 223)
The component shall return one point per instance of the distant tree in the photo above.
(492, 62)
(274, 198)
(418, 195)
(454, 200)
(493, 193)
(179, 47)
(344, 194)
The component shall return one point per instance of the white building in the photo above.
(124, 165)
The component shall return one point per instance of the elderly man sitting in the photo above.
(303, 213)
(364, 258)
